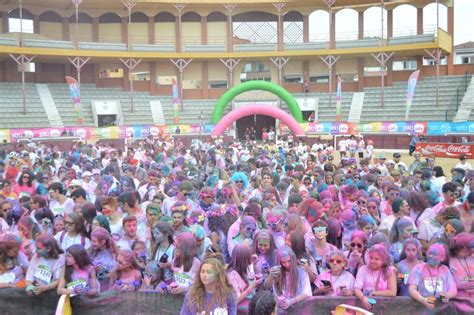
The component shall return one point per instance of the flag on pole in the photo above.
(338, 98)
(76, 98)
(175, 102)
(411, 91)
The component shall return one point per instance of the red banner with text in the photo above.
(448, 150)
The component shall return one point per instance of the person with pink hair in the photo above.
(241, 274)
(432, 280)
(336, 281)
(275, 219)
(461, 264)
(126, 276)
(290, 282)
(103, 253)
(184, 264)
(377, 278)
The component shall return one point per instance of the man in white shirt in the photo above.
(59, 203)
(129, 225)
(463, 163)
(342, 147)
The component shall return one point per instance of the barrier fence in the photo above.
(16, 302)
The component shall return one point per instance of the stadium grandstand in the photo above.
(167, 63)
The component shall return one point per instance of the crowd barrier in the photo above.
(16, 302)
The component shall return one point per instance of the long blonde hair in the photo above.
(223, 290)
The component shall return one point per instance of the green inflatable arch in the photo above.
(257, 85)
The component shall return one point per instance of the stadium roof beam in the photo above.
(22, 62)
(330, 61)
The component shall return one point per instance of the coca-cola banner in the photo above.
(449, 150)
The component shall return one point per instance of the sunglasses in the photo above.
(394, 194)
(274, 224)
(26, 177)
(239, 181)
(361, 202)
(319, 229)
(371, 207)
(185, 194)
(358, 245)
(335, 261)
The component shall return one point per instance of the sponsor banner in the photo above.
(144, 131)
(342, 128)
(440, 128)
(318, 128)
(449, 150)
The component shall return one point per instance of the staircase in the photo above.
(49, 106)
(467, 104)
(157, 113)
(356, 107)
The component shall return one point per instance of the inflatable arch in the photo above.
(257, 85)
(256, 109)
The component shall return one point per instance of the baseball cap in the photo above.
(382, 157)
(95, 171)
(75, 182)
(86, 173)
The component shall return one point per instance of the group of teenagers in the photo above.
(238, 228)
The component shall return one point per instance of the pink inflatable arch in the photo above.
(256, 109)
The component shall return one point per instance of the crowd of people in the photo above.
(239, 227)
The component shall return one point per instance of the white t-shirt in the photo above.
(429, 230)
(62, 209)
(342, 145)
(42, 271)
(68, 241)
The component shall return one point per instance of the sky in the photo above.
(404, 21)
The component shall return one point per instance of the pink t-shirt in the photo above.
(366, 279)
(462, 270)
(344, 279)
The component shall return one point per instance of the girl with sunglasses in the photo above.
(357, 250)
(335, 281)
(25, 185)
(320, 248)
